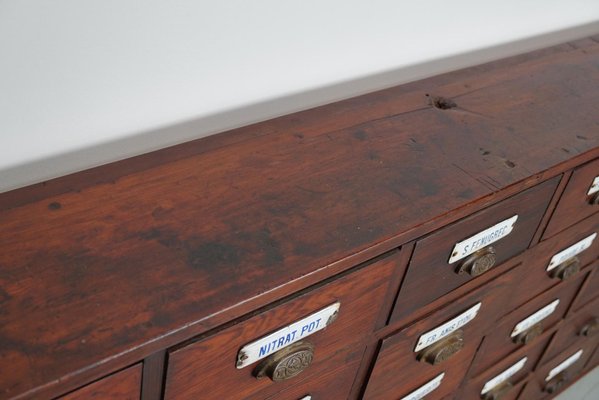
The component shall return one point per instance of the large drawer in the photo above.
(215, 367)
(576, 203)
(123, 385)
(455, 254)
(441, 344)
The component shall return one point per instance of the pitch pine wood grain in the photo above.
(124, 385)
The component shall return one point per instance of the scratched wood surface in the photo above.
(102, 268)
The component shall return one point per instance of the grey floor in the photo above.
(585, 389)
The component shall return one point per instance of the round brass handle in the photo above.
(286, 363)
(442, 350)
(529, 335)
(498, 392)
(594, 200)
(567, 269)
(591, 328)
(556, 383)
(478, 263)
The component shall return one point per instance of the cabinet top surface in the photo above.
(85, 84)
(178, 243)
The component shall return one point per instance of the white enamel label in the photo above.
(534, 318)
(482, 239)
(565, 364)
(571, 251)
(306, 398)
(425, 389)
(282, 338)
(594, 187)
(504, 376)
(447, 328)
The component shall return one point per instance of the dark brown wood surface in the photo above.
(153, 376)
(574, 204)
(123, 385)
(590, 289)
(103, 268)
(593, 361)
(429, 266)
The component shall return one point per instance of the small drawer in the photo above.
(555, 375)
(455, 254)
(284, 346)
(505, 379)
(442, 343)
(523, 325)
(579, 200)
(585, 323)
(569, 246)
(123, 385)
(590, 290)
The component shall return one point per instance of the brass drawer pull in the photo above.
(529, 335)
(286, 363)
(591, 328)
(442, 350)
(556, 383)
(498, 392)
(566, 269)
(478, 263)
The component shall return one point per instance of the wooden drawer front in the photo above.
(546, 309)
(506, 376)
(536, 260)
(207, 369)
(123, 385)
(430, 267)
(335, 384)
(574, 204)
(398, 371)
(584, 323)
(539, 387)
(590, 290)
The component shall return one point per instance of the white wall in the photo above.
(87, 82)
